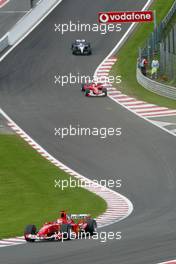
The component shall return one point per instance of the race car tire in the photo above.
(66, 231)
(82, 87)
(91, 226)
(30, 230)
(87, 92)
(104, 90)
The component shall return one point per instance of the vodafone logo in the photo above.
(103, 18)
(125, 17)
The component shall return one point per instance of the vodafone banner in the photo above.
(124, 17)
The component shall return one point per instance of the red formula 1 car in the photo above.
(94, 89)
(64, 228)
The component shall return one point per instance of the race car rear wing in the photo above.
(79, 216)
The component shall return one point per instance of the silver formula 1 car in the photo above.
(81, 47)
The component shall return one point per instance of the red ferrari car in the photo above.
(94, 89)
(63, 228)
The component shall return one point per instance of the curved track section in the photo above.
(143, 157)
(118, 206)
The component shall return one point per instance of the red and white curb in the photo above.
(169, 262)
(3, 3)
(12, 241)
(140, 108)
(118, 206)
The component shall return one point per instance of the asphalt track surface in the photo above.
(143, 157)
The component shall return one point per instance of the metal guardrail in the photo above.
(169, 16)
(30, 20)
(24, 25)
(4, 42)
(155, 87)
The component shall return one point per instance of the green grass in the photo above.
(127, 57)
(27, 192)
